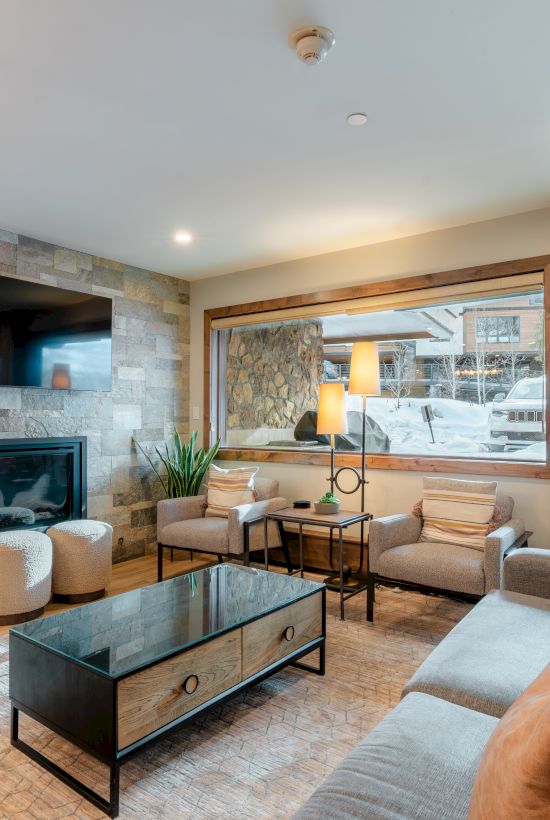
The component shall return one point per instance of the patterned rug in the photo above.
(261, 754)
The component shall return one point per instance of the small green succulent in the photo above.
(329, 498)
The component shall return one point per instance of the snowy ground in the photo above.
(459, 428)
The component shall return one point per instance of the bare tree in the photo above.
(484, 326)
(539, 345)
(447, 373)
(400, 384)
(512, 359)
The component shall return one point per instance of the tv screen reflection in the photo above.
(54, 338)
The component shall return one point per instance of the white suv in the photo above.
(517, 420)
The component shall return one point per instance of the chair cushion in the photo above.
(229, 488)
(410, 766)
(444, 566)
(203, 534)
(457, 512)
(513, 779)
(491, 655)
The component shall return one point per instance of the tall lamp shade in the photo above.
(331, 414)
(364, 377)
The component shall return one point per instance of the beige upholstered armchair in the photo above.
(396, 556)
(182, 524)
(528, 571)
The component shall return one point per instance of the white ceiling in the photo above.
(124, 120)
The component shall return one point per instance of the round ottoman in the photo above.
(82, 560)
(25, 575)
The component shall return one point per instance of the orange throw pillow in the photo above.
(513, 779)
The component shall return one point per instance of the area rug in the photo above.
(259, 755)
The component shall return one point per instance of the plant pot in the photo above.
(321, 508)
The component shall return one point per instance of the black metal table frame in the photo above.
(359, 518)
(111, 805)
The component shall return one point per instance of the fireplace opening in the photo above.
(42, 482)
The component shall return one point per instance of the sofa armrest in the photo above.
(528, 571)
(246, 513)
(391, 531)
(170, 510)
(496, 545)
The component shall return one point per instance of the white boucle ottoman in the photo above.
(82, 560)
(25, 575)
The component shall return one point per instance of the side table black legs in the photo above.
(338, 521)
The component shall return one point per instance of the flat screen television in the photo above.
(54, 338)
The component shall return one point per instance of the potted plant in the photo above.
(185, 468)
(328, 504)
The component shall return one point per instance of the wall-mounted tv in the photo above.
(54, 338)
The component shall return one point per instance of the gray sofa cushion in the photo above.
(410, 766)
(491, 656)
(445, 566)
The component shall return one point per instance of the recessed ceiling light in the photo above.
(183, 236)
(356, 119)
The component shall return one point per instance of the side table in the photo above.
(339, 521)
(521, 542)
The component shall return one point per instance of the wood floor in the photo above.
(261, 754)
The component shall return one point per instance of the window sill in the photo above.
(390, 462)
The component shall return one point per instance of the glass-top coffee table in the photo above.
(114, 675)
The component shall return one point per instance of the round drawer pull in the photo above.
(288, 633)
(190, 684)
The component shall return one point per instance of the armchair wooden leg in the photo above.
(370, 597)
(159, 562)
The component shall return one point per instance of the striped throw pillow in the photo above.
(229, 488)
(458, 512)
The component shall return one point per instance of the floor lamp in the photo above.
(364, 381)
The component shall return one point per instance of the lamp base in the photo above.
(352, 583)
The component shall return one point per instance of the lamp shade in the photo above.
(364, 377)
(331, 416)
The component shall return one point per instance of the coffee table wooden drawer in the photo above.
(269, 639)
(155, 696)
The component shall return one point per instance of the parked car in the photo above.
(517, 420)
(331, 371)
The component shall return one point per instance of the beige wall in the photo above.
(493, 241)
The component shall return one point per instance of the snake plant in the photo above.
(186, 467)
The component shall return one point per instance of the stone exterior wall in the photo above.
(273, 375)
(150, 383)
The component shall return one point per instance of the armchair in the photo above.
(182, 524)
(528, 571)
(396, 556)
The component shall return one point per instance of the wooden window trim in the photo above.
(383, 288)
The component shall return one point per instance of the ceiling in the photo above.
(122, 122)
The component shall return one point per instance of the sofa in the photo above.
(420, 762)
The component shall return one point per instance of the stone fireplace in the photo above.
(42, 481)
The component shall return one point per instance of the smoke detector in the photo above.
(312, 43)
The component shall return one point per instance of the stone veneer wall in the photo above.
(273, 375)
(150, 384)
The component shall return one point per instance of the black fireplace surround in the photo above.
(42, 482)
